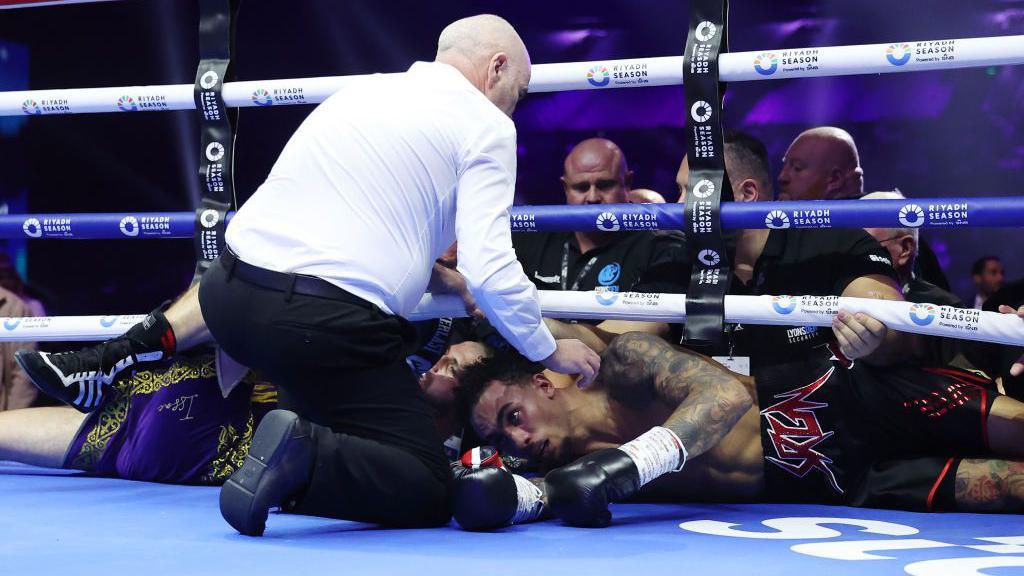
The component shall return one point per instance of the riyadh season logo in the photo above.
(766, 63)
(127, 104)
(129, 226)
(898, 54)
(215, 151)
(922, 314)
(704, 188)
(706, 31)
(709, 257)
(209, 79)
(784, 304)
(606, 295)
(262, 98)
(108, 321)
(700, 111)
(32, 228)
(11, 323)
(607, 222)
(209, 218)
(31, 107)
(776, 220)
(598, 76)
(911, 216)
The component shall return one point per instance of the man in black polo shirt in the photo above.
(902, 245)
(640, 261)
(818, 263)
(823, 164)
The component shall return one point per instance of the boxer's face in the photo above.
(526, 419)
(443, 378)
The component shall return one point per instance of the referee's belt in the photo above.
(286, 282)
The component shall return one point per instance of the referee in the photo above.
(337, 246)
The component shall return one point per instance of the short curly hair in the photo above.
(504, 366)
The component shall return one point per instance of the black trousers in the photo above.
(339, 362)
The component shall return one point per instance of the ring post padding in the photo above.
(711, 271)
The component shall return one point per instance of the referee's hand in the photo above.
(574, 357)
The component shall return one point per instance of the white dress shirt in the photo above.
(379, 180)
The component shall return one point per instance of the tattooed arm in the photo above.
(709, 399)
(641, 368)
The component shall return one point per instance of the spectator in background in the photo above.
(645, 196)
(10, 280)
(902, 245)
(16, 390)
(805, 261)
(999, 361)
(987, 273)
(638, 260)
(823, 164)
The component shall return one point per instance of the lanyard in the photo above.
(565, 269)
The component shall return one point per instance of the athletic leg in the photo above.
(38, 436)
(1006, 428)
(984, 485)
(81, 378)
(186, 320)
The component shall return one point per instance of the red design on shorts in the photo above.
(794, 429)
(938, 403)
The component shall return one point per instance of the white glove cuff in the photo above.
(529, 505)
(656, 452)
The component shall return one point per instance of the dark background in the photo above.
(950, 133)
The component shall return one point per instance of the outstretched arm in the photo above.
(709, 398)
(708, 401)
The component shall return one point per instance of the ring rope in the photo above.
(910, 213)
(17, 4)
(928, 319)
(595, 75)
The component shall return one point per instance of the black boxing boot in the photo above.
(80, 378)
(278, 467)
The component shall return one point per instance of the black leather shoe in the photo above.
(279, 466)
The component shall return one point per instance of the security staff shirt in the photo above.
(633, 262)
(817, 264)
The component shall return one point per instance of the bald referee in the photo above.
(337, 246)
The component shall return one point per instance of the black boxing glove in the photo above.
(579, 493)
(486, 495)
